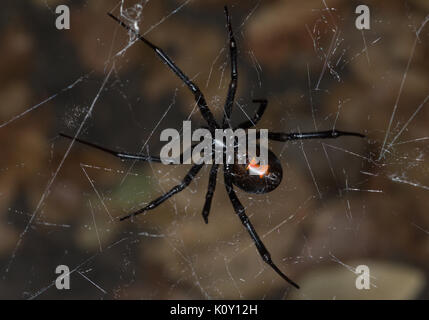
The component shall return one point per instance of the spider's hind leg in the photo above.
(210, 191)
(239, 209)
(192, 173)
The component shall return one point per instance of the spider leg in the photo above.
(329, 134)
(121, 155)
(257, 116)
(176, 189)
(234, 73)
(239, 209)
(210, 191)
(199, 97)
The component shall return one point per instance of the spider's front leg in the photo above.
(239, 209)
(232, 89)
(198, 95)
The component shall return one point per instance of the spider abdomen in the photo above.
(254, 178)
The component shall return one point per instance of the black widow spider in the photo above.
(234, 174)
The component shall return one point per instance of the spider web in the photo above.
(342, 202)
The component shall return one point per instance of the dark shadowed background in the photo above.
(342, 203)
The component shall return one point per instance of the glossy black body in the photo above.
(234, 174)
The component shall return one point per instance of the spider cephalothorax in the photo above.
(251, 177)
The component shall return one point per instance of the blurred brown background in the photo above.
(340, 204)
